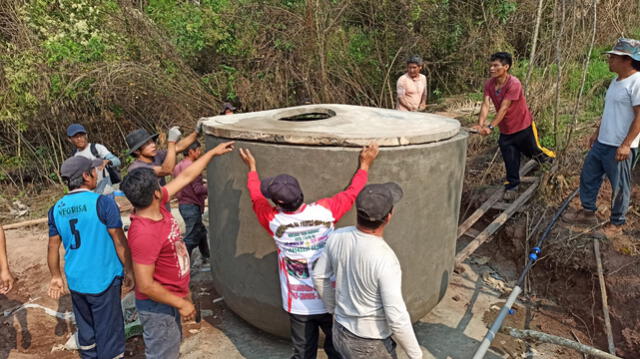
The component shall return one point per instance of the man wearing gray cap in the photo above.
(367, 300)
(97, 259)
(614, 144)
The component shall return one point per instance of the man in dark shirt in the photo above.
(142, 145)
(191, 204)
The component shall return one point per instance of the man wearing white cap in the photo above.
(614, 145)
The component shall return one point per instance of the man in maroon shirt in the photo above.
(191, 204)
(518, 133)
(160, 259)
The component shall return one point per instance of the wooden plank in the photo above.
(471, 232)
(475, 216)
(123, 204)
(501, 205)
(528, 179)
(26, 223)
(603, 293)
(496, 224)
(495, 197)
(552, 339)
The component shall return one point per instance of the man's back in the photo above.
(360, 262)
(81, 219)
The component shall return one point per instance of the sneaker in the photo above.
(510, 194)
(581, 216)
(611, 230)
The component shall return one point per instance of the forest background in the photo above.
(118, 65)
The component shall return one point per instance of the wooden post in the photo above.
(603, 292)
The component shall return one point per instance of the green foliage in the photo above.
(503, 9)
(72, 31)
(195, 27)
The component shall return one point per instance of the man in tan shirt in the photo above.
(412, 87)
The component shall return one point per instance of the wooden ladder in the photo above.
(494, 202)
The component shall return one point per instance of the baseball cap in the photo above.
(626, 47)
(375, 201)
(227, 106)
(282, 189)
(75, 166)
(74, 129)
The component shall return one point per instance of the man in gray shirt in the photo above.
(614, 144)
(367, 300)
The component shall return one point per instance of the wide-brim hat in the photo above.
(626, 47)
(136, 138)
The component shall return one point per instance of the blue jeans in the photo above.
(161, 329)
(195, 235)
(601, 161)
(100, 322)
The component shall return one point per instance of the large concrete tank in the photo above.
(319, 145)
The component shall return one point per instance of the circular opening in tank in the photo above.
(316, 115)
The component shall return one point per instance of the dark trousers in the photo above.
(512, 147)
(161, 329)
(352, 346)
(600, 161)
(100, 323)
(305, 333)
(195, 235)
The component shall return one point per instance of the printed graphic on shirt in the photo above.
(301, 238)
(297, 268)
(182, 255)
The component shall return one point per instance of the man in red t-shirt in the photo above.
(160, 258)
(518, 134)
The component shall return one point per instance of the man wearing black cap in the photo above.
(142, 146)
(77, 135)
(89, 226)
(228, 109)
(300, 231)
(367, 300)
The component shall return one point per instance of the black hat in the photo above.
(227, 106)
(282, 189)
(75, 166)
(375, 201)
(137, 138)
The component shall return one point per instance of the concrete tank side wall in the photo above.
(422, 232)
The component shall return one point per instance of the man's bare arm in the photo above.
(124, 254)
(625, 148)
(195, 169)
(154, 290)
(56, 286)
(186, 142)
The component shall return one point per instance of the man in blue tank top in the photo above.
(89, 227)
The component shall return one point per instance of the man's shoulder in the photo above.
(182, 165)
(514, 83)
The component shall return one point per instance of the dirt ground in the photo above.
(452, 330)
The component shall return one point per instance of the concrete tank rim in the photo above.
(347, 126)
